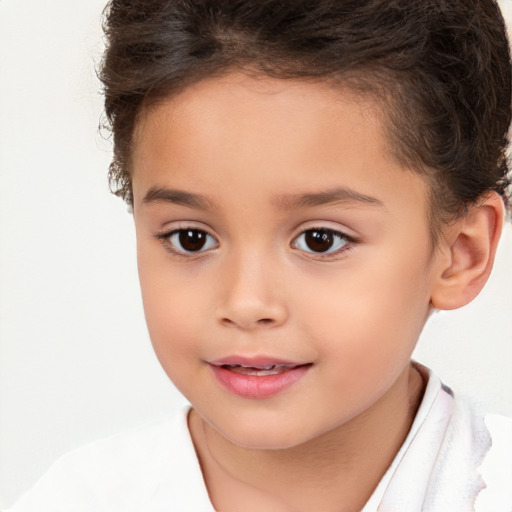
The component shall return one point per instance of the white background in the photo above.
(75, 359)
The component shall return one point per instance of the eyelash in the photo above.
(321, 233)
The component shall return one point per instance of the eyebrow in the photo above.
(284, 202)
(337, 195)
(179, 197)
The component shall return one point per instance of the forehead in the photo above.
(240, 99)
(270, 134)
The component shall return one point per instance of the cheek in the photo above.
(172, 326)
(170, 306)
(371, 311)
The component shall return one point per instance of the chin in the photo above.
(264, 437)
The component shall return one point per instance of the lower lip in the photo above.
(254, 386)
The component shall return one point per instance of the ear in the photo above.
(466, 254)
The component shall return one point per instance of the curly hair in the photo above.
(441, 68)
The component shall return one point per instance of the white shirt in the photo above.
(451, 461)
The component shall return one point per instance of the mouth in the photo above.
(262, 371)
(257, 379)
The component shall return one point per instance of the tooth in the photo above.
(268, 367)
(260, 371)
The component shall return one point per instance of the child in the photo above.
(310, 180)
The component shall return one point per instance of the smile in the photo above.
(258, 381)
(272, 369)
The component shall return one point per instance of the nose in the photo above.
(250, 294)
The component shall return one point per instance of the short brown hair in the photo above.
(443, 66)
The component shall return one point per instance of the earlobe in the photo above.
(465, 261)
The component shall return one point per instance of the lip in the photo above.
(261, 381)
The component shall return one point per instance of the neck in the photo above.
(335, 472)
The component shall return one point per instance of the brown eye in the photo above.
(318, 240)
(321, 241)
(190, 240)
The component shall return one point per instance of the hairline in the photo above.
(369, 83)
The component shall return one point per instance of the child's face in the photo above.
(308, 248)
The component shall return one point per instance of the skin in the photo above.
(249, 147)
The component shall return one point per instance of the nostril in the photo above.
(262, 321)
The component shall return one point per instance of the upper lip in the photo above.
(254, 362)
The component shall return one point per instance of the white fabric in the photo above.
(148, 469)
(432, 390)
(451, 461)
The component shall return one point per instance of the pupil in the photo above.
(192, 239)
(319, 240)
